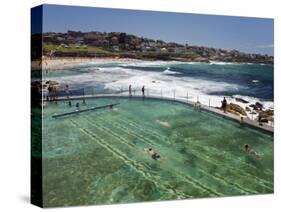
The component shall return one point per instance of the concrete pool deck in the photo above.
(247, 122)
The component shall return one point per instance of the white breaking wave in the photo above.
(157, 83)
(167, 71)
(222, 63)
(228, 63)
(155, 63)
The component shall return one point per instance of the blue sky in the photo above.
(253, 35)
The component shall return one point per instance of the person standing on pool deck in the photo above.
(224, 104)
(259, 119)
(130, 90)
(67, 91)
(77, 105)
(142, 90)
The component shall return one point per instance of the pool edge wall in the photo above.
(36, 189)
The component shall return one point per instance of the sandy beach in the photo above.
(61, 63)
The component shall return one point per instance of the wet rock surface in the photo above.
(235, 109)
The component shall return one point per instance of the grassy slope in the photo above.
(73, 48)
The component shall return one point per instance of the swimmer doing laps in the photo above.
(153, 154)
(251, 151)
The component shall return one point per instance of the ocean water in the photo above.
(206, 82)
(247, 79)
(101, 157)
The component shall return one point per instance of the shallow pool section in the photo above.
(100, 157)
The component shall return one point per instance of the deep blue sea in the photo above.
(255, 80)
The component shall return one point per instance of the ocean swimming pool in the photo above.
(100, 157)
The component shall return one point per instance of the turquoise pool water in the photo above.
(100, 157)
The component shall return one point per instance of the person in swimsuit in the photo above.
(153, 154)
(250, 151)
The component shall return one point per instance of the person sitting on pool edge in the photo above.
(153, 154)
(251, 151)
(197, 105)
(241, 120)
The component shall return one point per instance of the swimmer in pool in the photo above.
(153, 154)
(251, 151)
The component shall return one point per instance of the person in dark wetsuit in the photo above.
(143, 90)
(224, 104)
(77, 105)
(67, 91)
(153, 154)
(259, 119)
(130, 90)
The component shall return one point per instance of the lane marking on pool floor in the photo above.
(127, 130)
(137, 126)
(192, 181)
(110, 132)
(135, 165)
(147, 130)
(184, 176)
